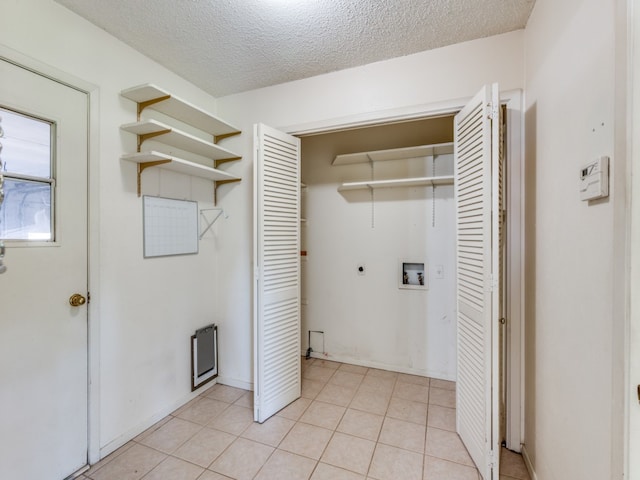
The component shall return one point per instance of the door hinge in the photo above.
(491, 460)
(492, 283)
(639, 393)
(493, 114)
(88, 297)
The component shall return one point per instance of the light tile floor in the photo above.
(352, 423)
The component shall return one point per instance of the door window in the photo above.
(26, 169)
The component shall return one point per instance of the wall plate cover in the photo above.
(594, 179)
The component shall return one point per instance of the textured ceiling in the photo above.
(230, 46)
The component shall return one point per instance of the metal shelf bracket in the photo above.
(220, 212)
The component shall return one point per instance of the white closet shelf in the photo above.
(160, 100)
(393, 154)
(169, 162)
(170, 136)
(401, 182)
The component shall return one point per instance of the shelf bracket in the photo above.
(211, 222)
(220, 161)
(143, 166)
(153, 101)
(217, 183)
(222, 136)
(142, 137)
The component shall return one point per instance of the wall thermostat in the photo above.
(594, 179)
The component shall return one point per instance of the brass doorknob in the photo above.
(76, 300)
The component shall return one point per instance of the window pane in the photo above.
(26, 145)
(26, 211)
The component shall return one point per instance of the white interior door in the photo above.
(43, 221)
(277, 271)
(478, 185)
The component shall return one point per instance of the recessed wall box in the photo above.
(594, 179)
(413, 274)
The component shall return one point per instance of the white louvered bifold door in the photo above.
(276, 271)
(478, 214)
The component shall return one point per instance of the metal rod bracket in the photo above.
(220, 211)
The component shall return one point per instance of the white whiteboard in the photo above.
(170, 226)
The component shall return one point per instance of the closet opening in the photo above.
(378, 246)
(356, 235)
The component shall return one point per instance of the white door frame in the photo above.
(515, 227)
(631, 417)
(93, 226)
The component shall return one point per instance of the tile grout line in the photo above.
(426, 431)
(203, 427)
(327, 444)
(384, 417)
(333, 431)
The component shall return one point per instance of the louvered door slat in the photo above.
(476, 409)
(277, 288)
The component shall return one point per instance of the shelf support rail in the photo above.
(211, 222)
(371, 192)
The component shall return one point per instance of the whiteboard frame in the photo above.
(190, 208)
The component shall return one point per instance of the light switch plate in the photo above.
(594, 179)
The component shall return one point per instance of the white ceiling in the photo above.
(230, 46)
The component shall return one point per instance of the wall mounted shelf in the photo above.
(155, 98)
(400, 182)
(393, 154)
(149, 96)
(169, 162)
(172, 137)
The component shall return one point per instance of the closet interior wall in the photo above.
(366, 318)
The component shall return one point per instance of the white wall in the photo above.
(143, 311)
(572, 318)
(372, 91)
(366, 319)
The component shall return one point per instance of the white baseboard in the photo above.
(119, 441)
(527, 463)
(234, 382)
(381, 366)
